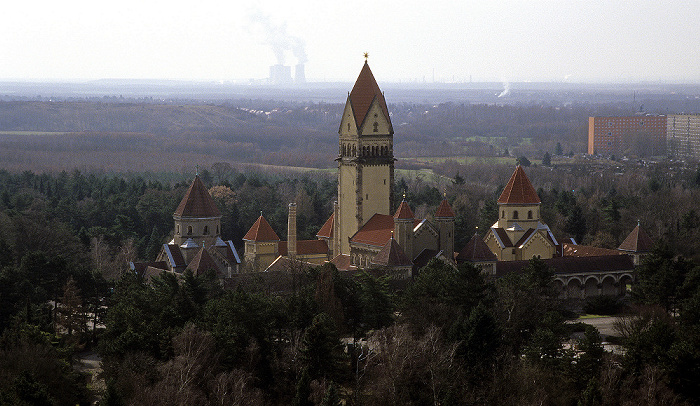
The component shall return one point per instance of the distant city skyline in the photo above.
(407, 41)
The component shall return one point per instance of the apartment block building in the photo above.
(639, 135)
(683, 136)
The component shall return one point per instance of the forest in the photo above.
(449, 337)
(88, 186)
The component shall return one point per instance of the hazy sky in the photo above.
(407, 40)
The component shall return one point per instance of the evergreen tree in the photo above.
(547, 159)
(576, 224)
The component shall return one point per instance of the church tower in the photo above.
(365, 159)
(197, 219)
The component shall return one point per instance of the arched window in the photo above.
(354, 150)
(178, 229)
(217, 229)
(503, 214)
(376, 127)
(348, 126)
(529, 214)
(343, 152)
(206, 230)
(515, 214)
(189, 230)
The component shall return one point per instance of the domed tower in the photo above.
(197, 219)
(365, 158)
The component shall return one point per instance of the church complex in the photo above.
(363, 233)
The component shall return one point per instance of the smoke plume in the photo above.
(279, 40)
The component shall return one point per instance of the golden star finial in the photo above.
(366, 56)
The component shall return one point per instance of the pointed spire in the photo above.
(261, 231)
(392, 255)
(637, 241)
(519, 190)
(365, 91)
(197, 202)
(404, 211)
(444, 210)
(202, 262)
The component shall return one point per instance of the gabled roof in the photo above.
(637, 241)
(404, 211)
(306, 247)
(228, 252)
(261, 231)
(502, 237)
(444, 211)
(391, 255)
(376, 231)
(476, 250)
(174, 256)
(327, 230)
(519, 190)
(202, 262)
(197, 202)
(363, 94)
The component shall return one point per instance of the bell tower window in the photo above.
(515, 214)
(376, 127)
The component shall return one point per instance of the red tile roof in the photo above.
(404, 211)
(376, 231)
(327, 230)
(261, 231)
(197, 202)
(342, 262)
(305, 247)
(202, 262)
(391, 255)
(519, 190)
(637, 241)
(363, 94)
(444, 210)
(476, 250)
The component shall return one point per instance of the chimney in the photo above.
(336, 229)
(292, 231)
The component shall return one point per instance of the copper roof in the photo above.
(444, 210)
(637, 241)
(404, 211)
(376, 231)
(261, 231)
(197, 202)
(363, 94)
(305, 247)
(327, 230)
(391, 255)
(519, 190)
(476, 250)
(202, 262)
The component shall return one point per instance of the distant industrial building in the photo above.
(683, 136)
(640, 135)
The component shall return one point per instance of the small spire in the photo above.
(404, 195)
(366, 55)
(260, 213)
(196, 168)
(476, 230)
(639, 223)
